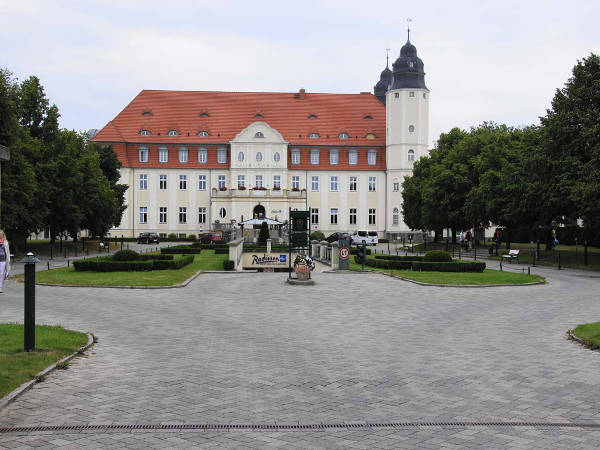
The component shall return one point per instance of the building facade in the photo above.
(192, 158)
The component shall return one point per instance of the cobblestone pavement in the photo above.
(353, 348)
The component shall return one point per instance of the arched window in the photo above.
(203, 133)
(202, 155)
(204, 114)
(372, 157)
(259, 156)
(368, 117)
(173, 133)
(222, 213)
(334, 156)
(370, 136)
(314, 136)
(258, 116)
(411, 155)
(276, 157)
(312, 116)
(395, 216)
(240, 156)
(259, 134)
(395, 185)
(343, 136)
(145, 133)
(411, 128)
(353, 157)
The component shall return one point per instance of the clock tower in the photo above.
(407, 128)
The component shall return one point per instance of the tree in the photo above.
(263, 235)
(33, 106)
(9, 98)
(572, 128)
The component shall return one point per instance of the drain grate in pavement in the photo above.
(288, 427)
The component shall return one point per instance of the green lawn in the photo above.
(488, 276)
(590, 333)
(207, 260)
(17, 366)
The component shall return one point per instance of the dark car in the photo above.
(148, 238)
(337, 236)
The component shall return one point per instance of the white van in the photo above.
(365, 237)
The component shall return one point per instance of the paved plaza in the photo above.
(354, 348)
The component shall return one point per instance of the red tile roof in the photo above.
(231, 112)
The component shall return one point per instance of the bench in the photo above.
(512, 254)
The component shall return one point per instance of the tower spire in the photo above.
(387, 58)
(408, 21)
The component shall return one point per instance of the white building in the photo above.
(191, 158)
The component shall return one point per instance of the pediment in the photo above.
(252, 133)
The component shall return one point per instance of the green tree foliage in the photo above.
(263, 235)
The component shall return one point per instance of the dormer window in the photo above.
(203, 133)
(368, 117)
(204, 114)
(312, 116)
(370, 136)
(258, 116)
(173, 133)
(145, 133)
(314, 136)
(343, 136)
(146, 113)
(259, 135)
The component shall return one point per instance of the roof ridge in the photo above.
(249, 92)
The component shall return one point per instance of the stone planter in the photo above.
(302, 271)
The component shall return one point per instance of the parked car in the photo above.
(148, 238)
(210, 237)
(365, 237)
(333, 237)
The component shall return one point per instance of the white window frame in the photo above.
(334, 157)
(343, 136)
(372, 216)
(203, 133)
(372, 184)
(183, 155)
(182, 182)
(162, 214)
(222, 156)
(277, 181)
(259, 135)
(372, 157)
(182, 214)
(145, 133)
(202, 214)
(314, 183)
(411, 155)
(162, 182)
(241, 181)
(143, 154)
(333, 183)
(353, 157)
(222, 212)
(258, 181)
(396, 186)
(314, 156)
(172, 132)
(143, 214)
(201, 182)
(295, 156)
(143, 182)
(221, 182)
(333, 216)
(314, 136)
(295, 182)
(314, 216)
(353, 183)
(202, 155)
(163, 154)
(352, 216)
(395, 216)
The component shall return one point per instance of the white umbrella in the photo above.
(260, 221)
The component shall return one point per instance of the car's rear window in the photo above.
(372, 233)
(362, 233)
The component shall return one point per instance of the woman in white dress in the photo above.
(4, 259)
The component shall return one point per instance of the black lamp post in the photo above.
(30, 261)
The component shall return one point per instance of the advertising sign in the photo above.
(261, 260)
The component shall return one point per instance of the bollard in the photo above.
(48, 262)
(30, 260)
(500, 264)
(529, 271)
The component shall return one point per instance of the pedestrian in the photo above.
(4, 259)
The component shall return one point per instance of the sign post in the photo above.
(299, 221)
(344, 263)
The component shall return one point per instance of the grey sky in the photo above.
(484, 60)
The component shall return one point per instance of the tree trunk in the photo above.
(453, 235)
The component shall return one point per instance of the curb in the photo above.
(573, 337)
(12, 396)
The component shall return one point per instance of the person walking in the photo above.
(4, 259)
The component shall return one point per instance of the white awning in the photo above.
(260, 221)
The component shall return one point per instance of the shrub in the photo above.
(399, 257)
(108, 265)
(220, 242)
(126, 255)
(357, 251)
(153, 256)
(221, 251)
(191, 237)
(263, 235)
(437, 256)
(174, 264)
(455, 266)
(317, 235)
(228, 264)
(171, 236)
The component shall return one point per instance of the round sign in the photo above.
(344, 252)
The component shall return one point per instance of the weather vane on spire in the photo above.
(387, 57)
(408, 21)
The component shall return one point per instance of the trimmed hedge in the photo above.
(126, 255)
(221, 251)
(388, 264)
(180, 250)
(399, 257)
(228, 264)
(206, 246)
(437, 256)
(107, 264)
(154, 256)
(357, 251)
(454, 266)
